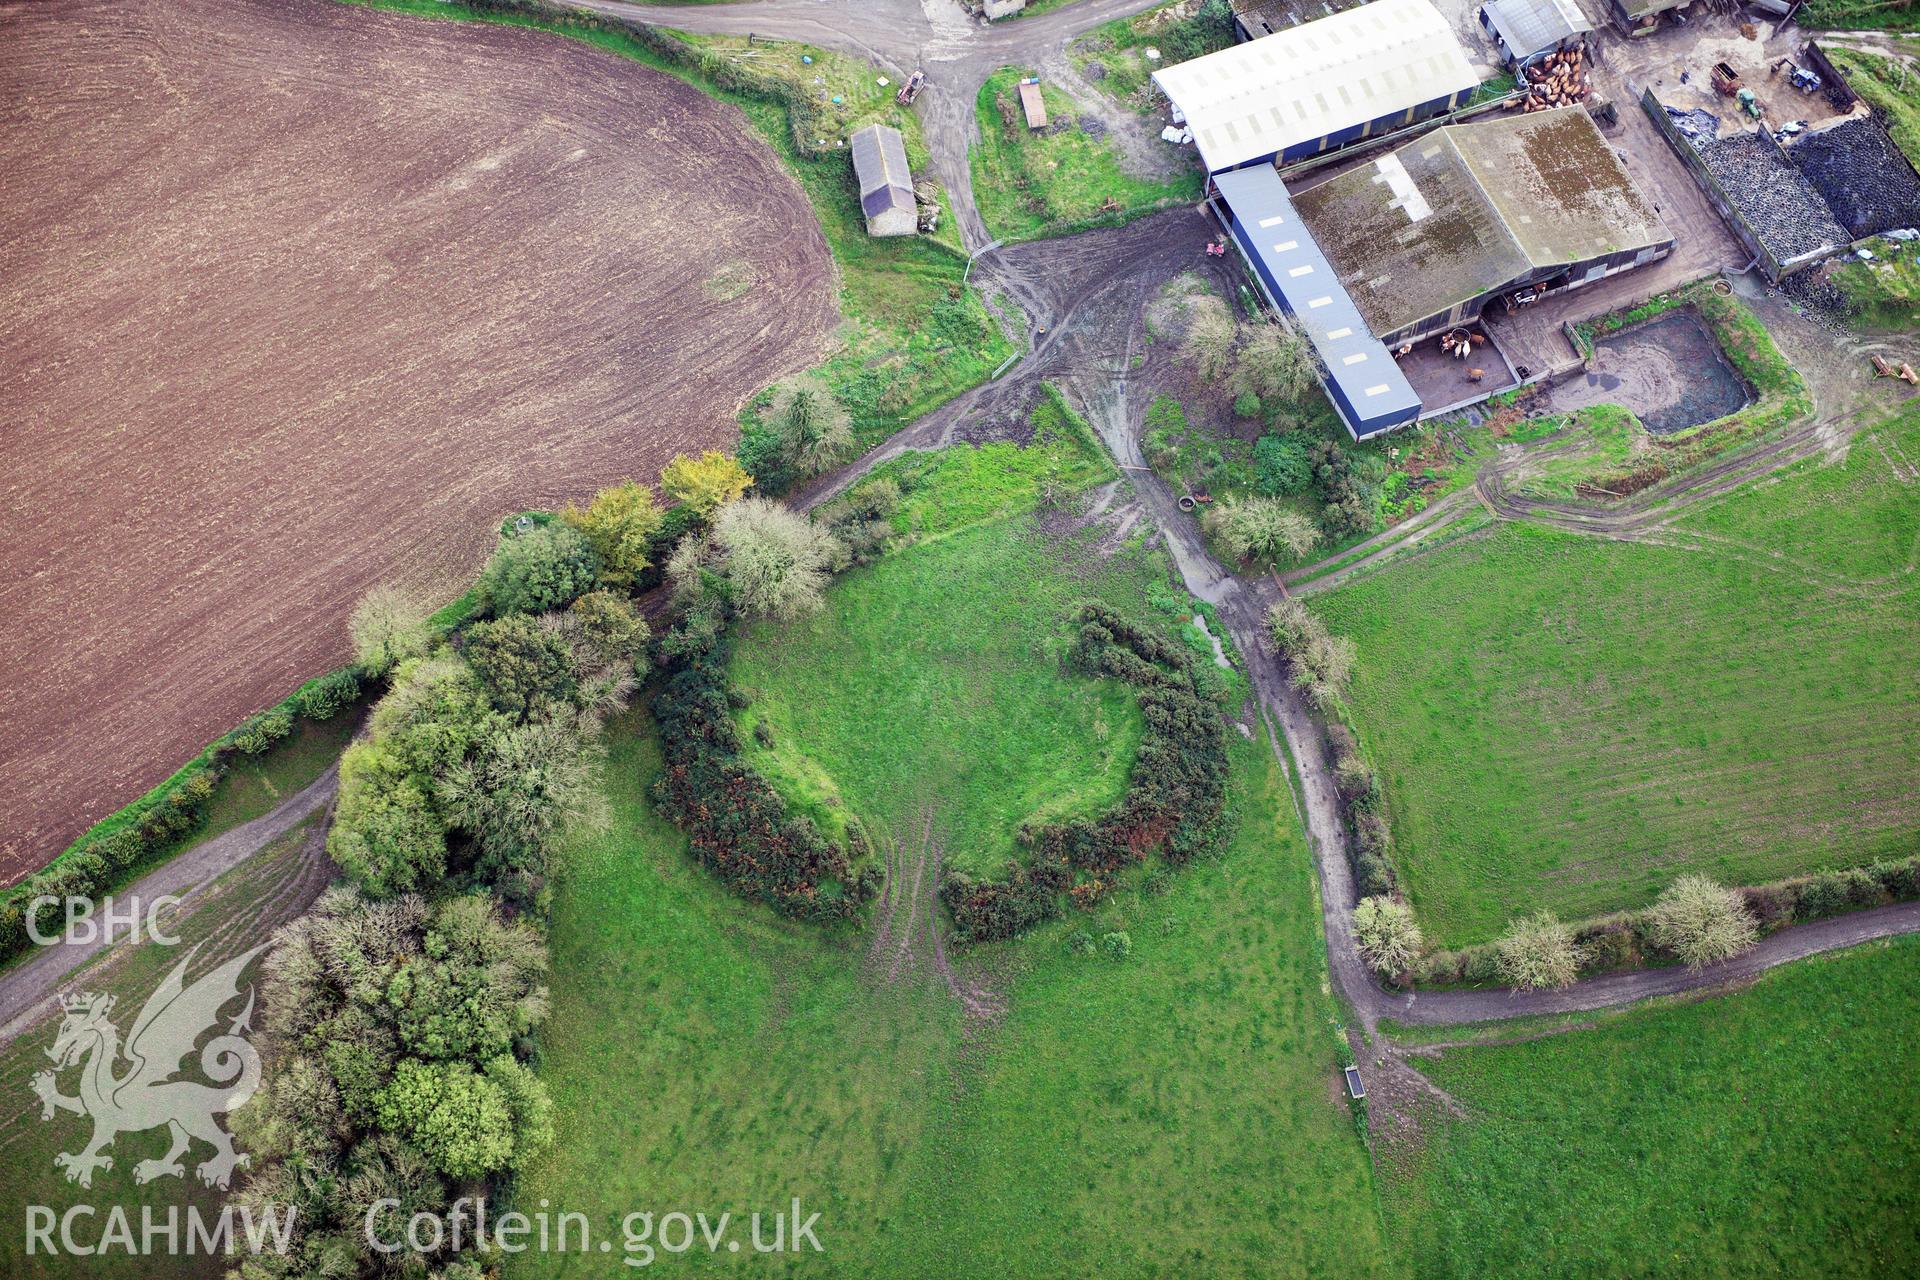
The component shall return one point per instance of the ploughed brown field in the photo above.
(297, 297)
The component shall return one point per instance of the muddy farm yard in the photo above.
(299, 297)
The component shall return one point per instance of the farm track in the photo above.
(195, 876)
(296, 297)
(1084, 296)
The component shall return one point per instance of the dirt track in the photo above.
(295, 297)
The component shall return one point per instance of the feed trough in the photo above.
(1356, 1089)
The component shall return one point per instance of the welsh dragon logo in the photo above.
(145, 1094)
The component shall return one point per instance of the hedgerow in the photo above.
(1174, 805)
(125, 841)
(1636, 939)
(736, 823)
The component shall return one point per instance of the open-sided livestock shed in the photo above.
(1427, 235)
(1366, 387)
(1320, 85)
(1523, 28)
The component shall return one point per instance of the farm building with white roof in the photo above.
(1320, 85)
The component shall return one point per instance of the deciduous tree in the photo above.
(619, 524)
(1274, 363)
(705, 483)
(815, 430)
(545, 567)
(776, 560)
(1387, 934)
(1538, 951)
(1210, 337)
(387, 627)
(1262, 527)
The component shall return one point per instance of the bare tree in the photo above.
(388, 626)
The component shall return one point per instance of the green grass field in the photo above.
(1764, 1133)
(1032, 183)
(1176, 1113)
(933, 685)
(950, 702)
(255, 785)
(1573, 723)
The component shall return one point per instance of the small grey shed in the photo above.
(886, 186)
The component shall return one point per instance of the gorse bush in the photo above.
(1174, 805)
(260, 732)
(737, 825)
(1350, 501)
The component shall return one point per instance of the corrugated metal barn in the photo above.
(886, 185)
(1366, 387)
(1321, 85)
(1522, 28)
(1427, 235)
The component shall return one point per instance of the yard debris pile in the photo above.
(1861, 175)
(1776, 200)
